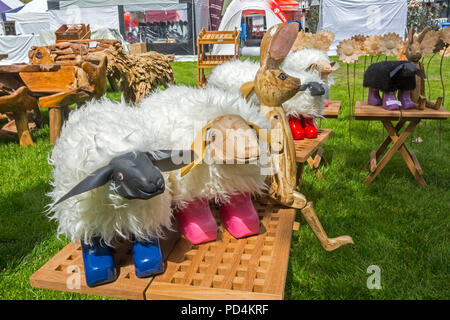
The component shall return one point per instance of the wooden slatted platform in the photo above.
(332, 111)
(211, 61)
(206, 60)
(306, 147)
(363, 111)
(251, 268)
(215, 37)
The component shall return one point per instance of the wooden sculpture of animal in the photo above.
(414, 54)
(390, 77)
(273, 87)
(114, 178)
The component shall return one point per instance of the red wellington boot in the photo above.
(310, 127)
(296, 128)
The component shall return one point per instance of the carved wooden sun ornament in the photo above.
(371, 45)
(360, 39)
(320, 41)
(445, 35)
(431, 43)
(348, 51)
(401, 56)
(391, 44)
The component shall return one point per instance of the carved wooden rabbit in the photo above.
(273, 87)
(414, 55)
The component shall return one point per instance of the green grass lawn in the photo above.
(396, 224)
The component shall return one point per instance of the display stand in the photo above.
(72, 32)
(208, 61)
(305, 148)
(254, 267)
(412, 117)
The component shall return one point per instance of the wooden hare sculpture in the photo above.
(273, 87)
(414, 55)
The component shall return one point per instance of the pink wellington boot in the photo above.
(239, 216)
(196, 222)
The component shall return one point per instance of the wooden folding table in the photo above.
(411, 119)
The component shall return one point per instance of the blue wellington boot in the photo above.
(98, 263)
(147, 257)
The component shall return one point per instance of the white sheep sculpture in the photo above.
(101, 141)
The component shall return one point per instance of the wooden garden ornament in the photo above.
(273, 87)
(414, 53)
(74, 83)
(17, 97)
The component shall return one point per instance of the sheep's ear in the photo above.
(96, 179)
(312, 66)
(396, 70)
(334, 65)
(247, 88)
(421, 74)
(169, 160)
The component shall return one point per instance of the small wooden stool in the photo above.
(363, 111)
(305, 148)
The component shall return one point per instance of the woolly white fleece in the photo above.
(170, 119)
(302, 59)
(90, 138)
(232, 75)
(181, 112)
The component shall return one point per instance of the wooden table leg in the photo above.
(300, 168)
(21, 119)
(398, 143)
(409, 158)
(386, 142)
(314, 163)
(56, 120)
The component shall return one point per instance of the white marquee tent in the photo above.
(233, 15)
(32, 18)
(346, 18)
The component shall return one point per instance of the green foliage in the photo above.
(395, 223)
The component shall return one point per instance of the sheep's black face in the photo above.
(316, 89)
(410, 70)
(136, 177)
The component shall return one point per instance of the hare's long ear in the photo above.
(277, 43)
(96, 179)
(334, 65)
(422, 34)
(411, 35)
